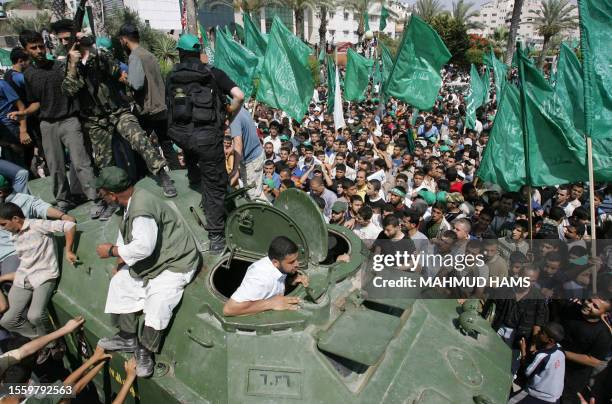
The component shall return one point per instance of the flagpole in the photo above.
(525, 137)
(586, 68)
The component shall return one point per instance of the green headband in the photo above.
(398, 192)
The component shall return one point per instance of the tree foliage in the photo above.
(554, 17)
(38, 23)
(454, 35)
(462, 13)
(428, 9)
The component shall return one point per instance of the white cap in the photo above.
(467, 140)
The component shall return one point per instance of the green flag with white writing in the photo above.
(570, 86)
(499, 71)
(253, 39)
(486, 82)
(357, 76)
(415, 76)
(239, 63)
(595, 34)
(366, 22)
(503, 159)
(556, 151)
(285, 81)
(474, 98)
(387, 63)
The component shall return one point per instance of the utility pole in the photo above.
(191, 11)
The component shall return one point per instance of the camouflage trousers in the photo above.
(101, 129)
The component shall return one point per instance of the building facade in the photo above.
(498, 13)
(164, 15)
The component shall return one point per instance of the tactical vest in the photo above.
(175, 249)
(194, 104)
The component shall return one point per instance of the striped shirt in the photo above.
(36, 250)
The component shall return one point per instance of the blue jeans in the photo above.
(16, 174)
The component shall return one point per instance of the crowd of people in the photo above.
(399, 178)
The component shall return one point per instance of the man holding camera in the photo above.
(93, 77)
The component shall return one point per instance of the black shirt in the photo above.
(44, 85)
(224, 83)
(521, 315)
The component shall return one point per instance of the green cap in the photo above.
(113, 179)
(444, 148)
(427, 196)
(189, 42)
(284, 138)
(104, 42)
(3, 182)
(339, 206)
(441, 196)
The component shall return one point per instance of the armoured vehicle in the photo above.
(340, 347)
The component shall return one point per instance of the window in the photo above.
(332, 32)
(345, 32)
(494, 15)
(346, 16)
(332, 14)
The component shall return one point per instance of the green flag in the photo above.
(357, 75)
(239, 32)
(387, 63)
(228, 32)
(236, 61)
(322, 55)
(331, 84)
(570, 86)
(415, 77)
(595, 34)
(366, 22)
(474, 98)
(555, 150)
(285, 81)
(384, 13)
(503, 159)
(252, 37)
(207, 48)
(499, 71)
(486, 82)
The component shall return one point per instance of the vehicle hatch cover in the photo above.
(304, 211)
(368, 331)
(251, 228)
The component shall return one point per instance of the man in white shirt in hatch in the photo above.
(263, 286)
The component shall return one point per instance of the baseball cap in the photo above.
(113, 179)
(3, 182)
(189, 43)
(339, 206)
(427, 196)
(104, 42)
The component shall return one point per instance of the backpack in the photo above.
(194, 98)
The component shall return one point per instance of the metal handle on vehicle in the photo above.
(205, 344)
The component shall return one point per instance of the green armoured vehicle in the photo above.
(340, 347)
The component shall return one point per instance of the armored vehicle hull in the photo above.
(340, 347)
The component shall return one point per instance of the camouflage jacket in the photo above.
(97, 86)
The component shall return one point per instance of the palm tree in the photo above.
(359, 8)
(428, 9)
(499, 39)
(299, 7)
(461, 14)
(38, 23)
(13, 4)
(248, 6)
(41, 4)
(323, 7)
(554, 16)
(514, 24)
